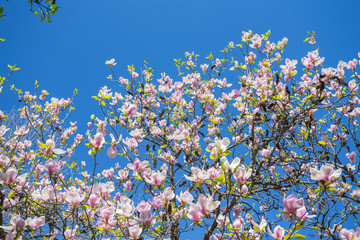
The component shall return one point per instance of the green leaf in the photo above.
(322, 143)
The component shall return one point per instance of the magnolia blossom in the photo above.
(9, 177)
(135, 231)
(241, 175)
(74, 197)
(156, 178)
(222, 144)
(259, 227)
(278, 233)
(326, 173)
(167, 195)
(185, 197)
(131, 142)
(346, 234)
(207, 204)
(234, 164)
(53, 166)
(50, 147)
(111, 62)
(199, 175)
(35, 222)
(147, 218)
(98, 140)
(203, 207)
(293, 205)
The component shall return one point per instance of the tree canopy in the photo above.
(246, 145)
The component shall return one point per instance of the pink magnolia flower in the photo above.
(278, 233)
(326, 173)
(147, 218)
(194, 213)
(346, 234)
(131, 143)
(207, 204)
(241, 175)
(167, 195)
(292, 205)
(108, 173)
(135, 231)
(53, 166)
(111, 62)
(230, 167)
(351, 156)
(129, 109)
(98, 140)
(199, 175)
(156, 178)
(22, 131)
(138, 165)
(9, 177)
(126, 207)
(259, 227)
(185, 198)
(93, 200)
(50, 147)
(143, 207)
(74, 197)
(35, 222)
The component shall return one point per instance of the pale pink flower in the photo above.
(292, 205)
(167, 195)
(278, 233)
(131, 143)
(53, 166)
(93, 200)
(242, 175)
(35, 222)
(259, 227)
(199, 175)
(135, 231)
(9, 177)
(74, 198)
(346, 234)
(129, 109)
(194, 213)
(111, 62)
(137, 133)
(98, 140)
(126, 207)
(230, 167)
(22, 131)
(147, 218)
(50, 147)
(108, 173)
(185, 198)
(326, 173)
(156, 178)
(207, 204)
(143, 207)
(351, 156)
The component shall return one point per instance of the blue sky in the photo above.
(71, 51)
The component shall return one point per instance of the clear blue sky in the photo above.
(71, 51)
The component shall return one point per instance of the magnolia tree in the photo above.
(238, 147)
